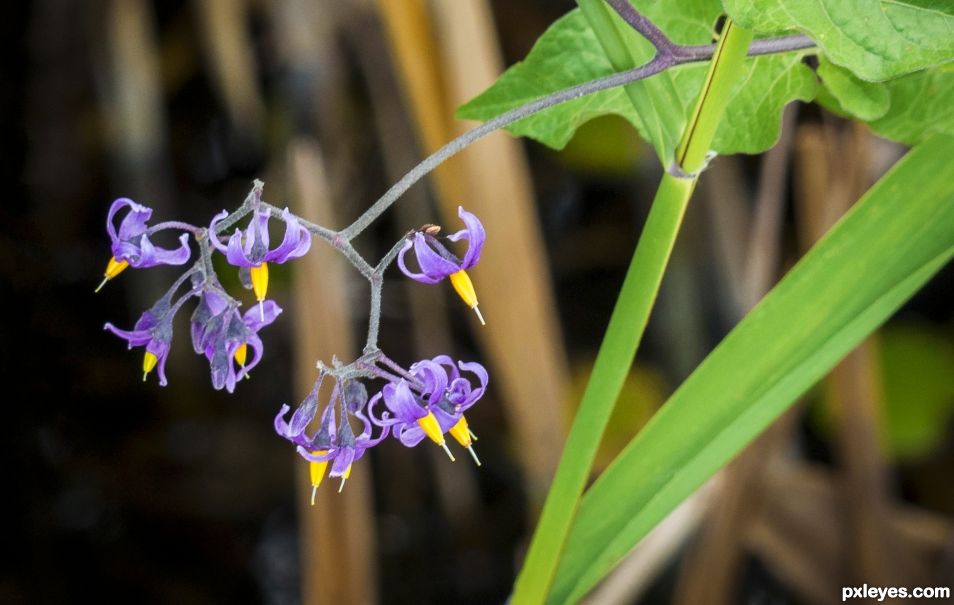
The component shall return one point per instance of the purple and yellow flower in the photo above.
(249, 248)
(331, 444)
(130, 243)
(225, 336)
(437, 262)
(153, 331)
(437, 408)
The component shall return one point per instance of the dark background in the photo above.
(116, 489)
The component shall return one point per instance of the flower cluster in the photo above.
(426, 400)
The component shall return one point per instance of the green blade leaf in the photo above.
(872, 261)
(875, 39)
(568, 53)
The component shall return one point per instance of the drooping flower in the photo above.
(153, 330)
(249, 248)
(337, 445)
(437, 262)
(224, 336)
(437, 408)
(130, 244)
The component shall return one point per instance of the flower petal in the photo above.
(432, 264)
(420, 277)
(434, 378)
(132, 225)
(475, 235)
(236, 254)
(410, 435)
(296, 243)
(135, 338)
(213, 228)
(254, 319)
(401, 401)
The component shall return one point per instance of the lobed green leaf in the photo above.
(875, 39)
(568, 53)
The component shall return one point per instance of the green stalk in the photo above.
(650, 97)
(628, 321)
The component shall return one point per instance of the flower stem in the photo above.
(628, 322)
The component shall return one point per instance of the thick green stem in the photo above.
(628, 322)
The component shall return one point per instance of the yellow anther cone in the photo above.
(432, 429)
(465, 289)
(316, 470)
(113, 268)
(259, 277)
(149, 361)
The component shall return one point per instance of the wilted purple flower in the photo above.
(249, 248)
(437, 262)
(224, 336)
(153, 331)
(130, 244)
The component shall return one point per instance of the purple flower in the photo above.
(330, 444)
(437, 262)
(438, 407)
(249, 248)
(224, 336)
(131, 245)
(153, 331)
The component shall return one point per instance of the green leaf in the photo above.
(872, 261)
(864, 100)
(875, 39)
(753, 118)
(908, 109)
(920, 106)
(568, 53)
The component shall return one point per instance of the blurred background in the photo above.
(117, 489)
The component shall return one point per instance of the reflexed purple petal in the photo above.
(365, 440)
(213, 236)
(179, 256)
(281, 426)
(434, 378)
(424, 279)
(150, 255)
(445, 360)
(236, 254)
(385, 418)
(296, 243)
(474, 234)
(402, 403)
(132, 225)
(135, 338)
(253, 317)
(432, 264)
(410, 434)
